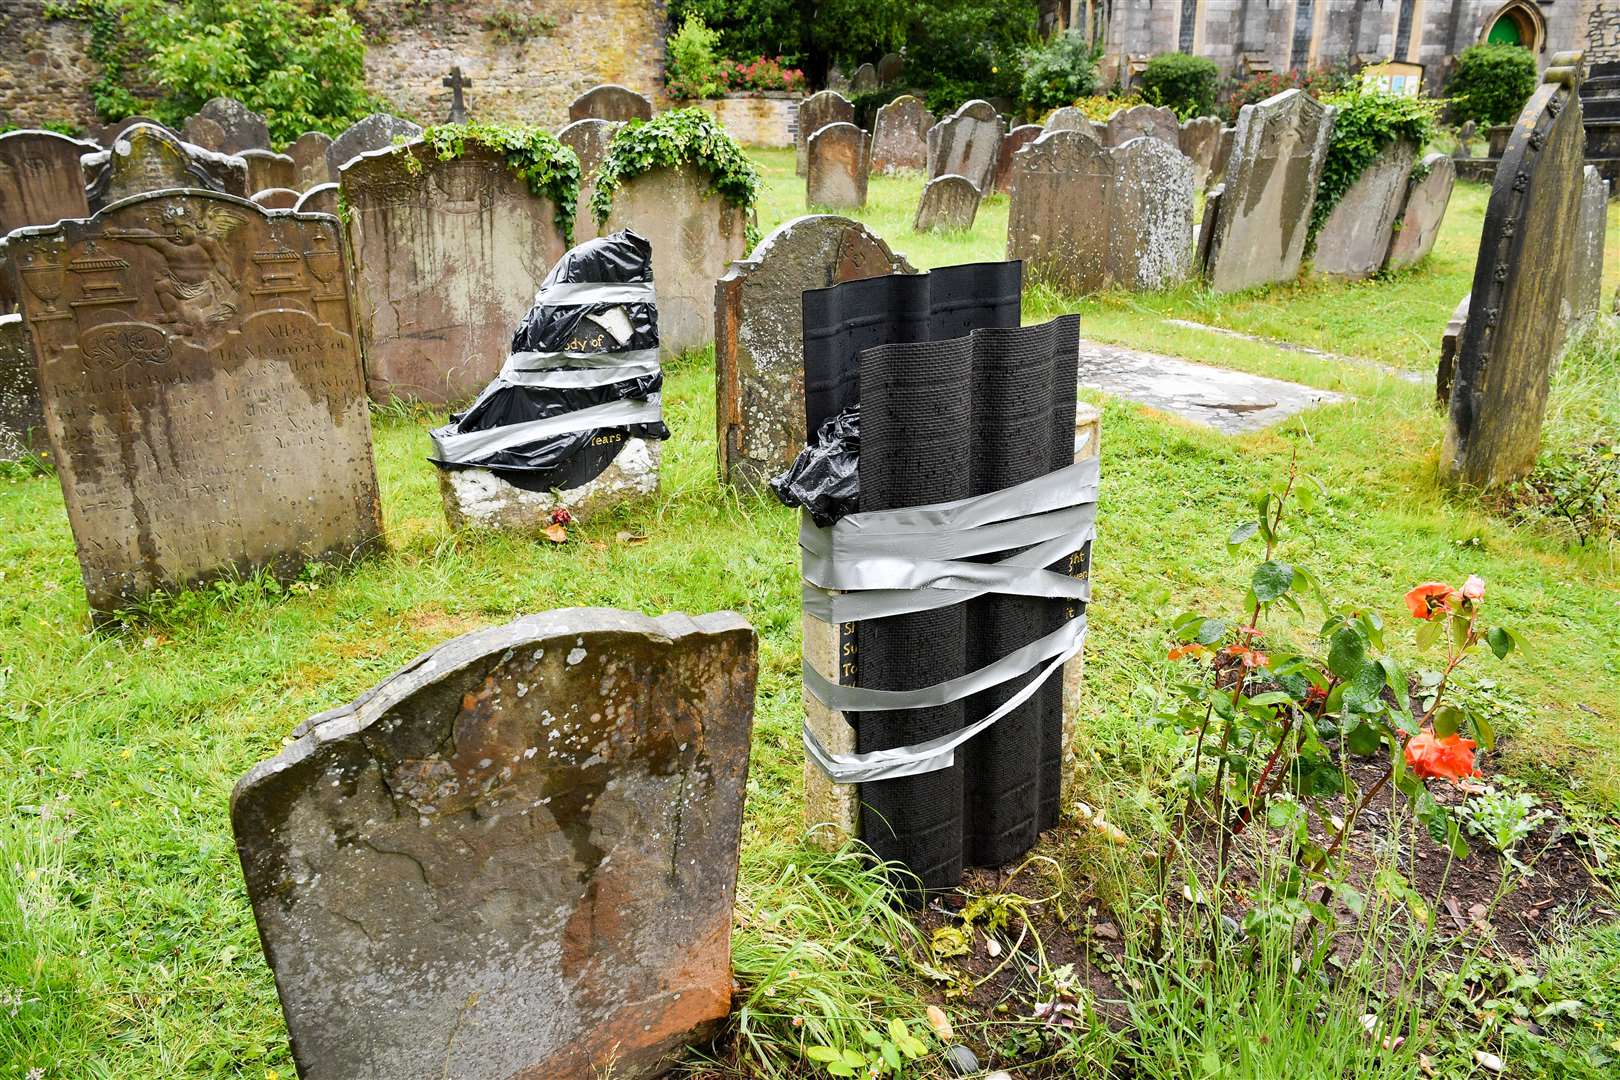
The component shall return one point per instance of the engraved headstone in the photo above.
(1085, 217)
(610, 102)
(1139, 120)
(588, 139)
(40, 178)
(759, 340)
(203, 132)
(276, 198)
(320, 199)
(1270, 185)
(865, 80)
(516, 857)
(947, 203)
(1425, 209)
(1200, 141)
(308, 152)
(244, 129)
(268, 169)
(900, 136)
(1069, 118)
(22, 420)
(378, 131)
(837, 172)
(202, 391)
(1586, 280)
(1354, 240)
(447, 257)
(1521, 289)
(146, 158)
(1018, 138)
(967, 143)
(695, 235)
(815, 113)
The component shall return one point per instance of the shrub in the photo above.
(845, 31)
(1058, 72)
(692, 70)
(957, 50)
(672, 138)
(1368, 121)
(1318, 83)
(1099, 107)
(1491, 83)
(1183, 83)
(760, 73)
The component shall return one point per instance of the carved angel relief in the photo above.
(196, 288)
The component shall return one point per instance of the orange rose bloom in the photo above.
(1428, 598)
(1433, 757)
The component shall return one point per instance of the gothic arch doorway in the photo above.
(1517, 22)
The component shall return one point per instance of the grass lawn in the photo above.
(127, 948)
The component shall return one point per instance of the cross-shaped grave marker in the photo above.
(457, 83)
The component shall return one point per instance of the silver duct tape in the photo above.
(580, 293)
(567, 378)
(934, 544)
(533, 362)
(938, 753)
(473, 444)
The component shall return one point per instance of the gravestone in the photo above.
(1448, 352)
(40, 178)
(516, 857)
(22, 421)
(244, 129)
(1018, 138)
(447, 257)
(105, 134)
(890, 68)
(202, 391)
(695, 235)
(836, 177)
(1086, 217)
(378, 131)
(1223, 153)
(816, 112)
(610, 102)
(268, 169)
(759, 340)
(1465, 137)
(149, 158)
(1586, 280)
(900, 136)
(1521, 289)
(308, 152)
(276, 198)
(203, 132)
(966, 143)
(948, 203)
(1070, 118)
(1354, 240)
(1139, 120)
(1200, 141)
(455, 82)
(865, 80)
(320, 199)
(588, 139)
(1265, 210)
(1425, 209)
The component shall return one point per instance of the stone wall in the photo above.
(45, 67)
(1599, 21)
(757, 119)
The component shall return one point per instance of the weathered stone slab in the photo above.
(268, 169)
(1223, 154)
(948, 203)
(40, 178)
(1201, 141)
(889, 68)
(1070, 118)
(22, 421)
(1086, 217)
(1143, 120)
(610, 102)
(1521, 289)
(1265, 211)
(695, 235)
(1586, 274)
(379, 131)
(588, 139)
(482, 499)
(1018, 138)
(514, 858)
(320, 199)
(1354, 240)
(308, 152)
(276, 198)
(759, 337)
(243, 128)
(203, 132)
(447, 256)
(1447, 368)
(966, 143)
(837, 167)
(202, 391)
(148, 158)
(865, 80)
(1425, 210)
(900, 136)
(816, 112)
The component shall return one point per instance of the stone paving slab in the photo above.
(1355, 361)
(1228, 401)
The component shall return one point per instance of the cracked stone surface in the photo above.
(1226, 400)
(513, 859)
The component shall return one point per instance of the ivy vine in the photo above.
(1368, 121)
(549, 168)
(673, 138)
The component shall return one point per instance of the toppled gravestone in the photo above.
(513, 858)
(1424, 211)
(1354, 240)
(836, 167)
(900, 136)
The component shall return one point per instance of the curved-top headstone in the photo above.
(1069, 118)
(1354, 240)
(244, 129)
(106, 133)
(967, 143)
(837, 171)
(1016, 139)
(588, 139)
(40, 178)
(1521, 286)
(448, 255)
(610, 102)
(695, 234)
(1425, 209)
(268, 169)
(1200, 140)
(308, 152)
(890, 68)
(378, 131)
(947, 203)
(202, 391)
(900, 136)
(1139, 120)
(759, 337)
(516, 857)
(816, 112)
(276, 198)
(865, 80)
(149, 158)
(320, 199)
(1258, 233)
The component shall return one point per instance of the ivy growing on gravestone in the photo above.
(1368, 121)
(549, 168)
(673, 138)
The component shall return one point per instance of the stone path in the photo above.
(1323, 354)
(1226, 400)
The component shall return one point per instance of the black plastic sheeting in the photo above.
(577, 457)
(825, 478)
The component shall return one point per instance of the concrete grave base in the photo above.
(477, 498)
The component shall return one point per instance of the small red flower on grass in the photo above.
(1428, 598)
(1448, 757)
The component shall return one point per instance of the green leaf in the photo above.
(1347, 652)
(1363, 739)
(1211, 631)
(1271, 580)
(871, 1037)
(1353, 901)
(822, 1054)
(1365, 687)
(897, 1029)
(854, 1059)
(1500, 641)
(1486, 733)
(1447, 721)
(1241, 534)
(838, 1068)
(1271, 697)
(891, 1055)
(1429, 632)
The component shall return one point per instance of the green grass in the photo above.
(127, 948)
